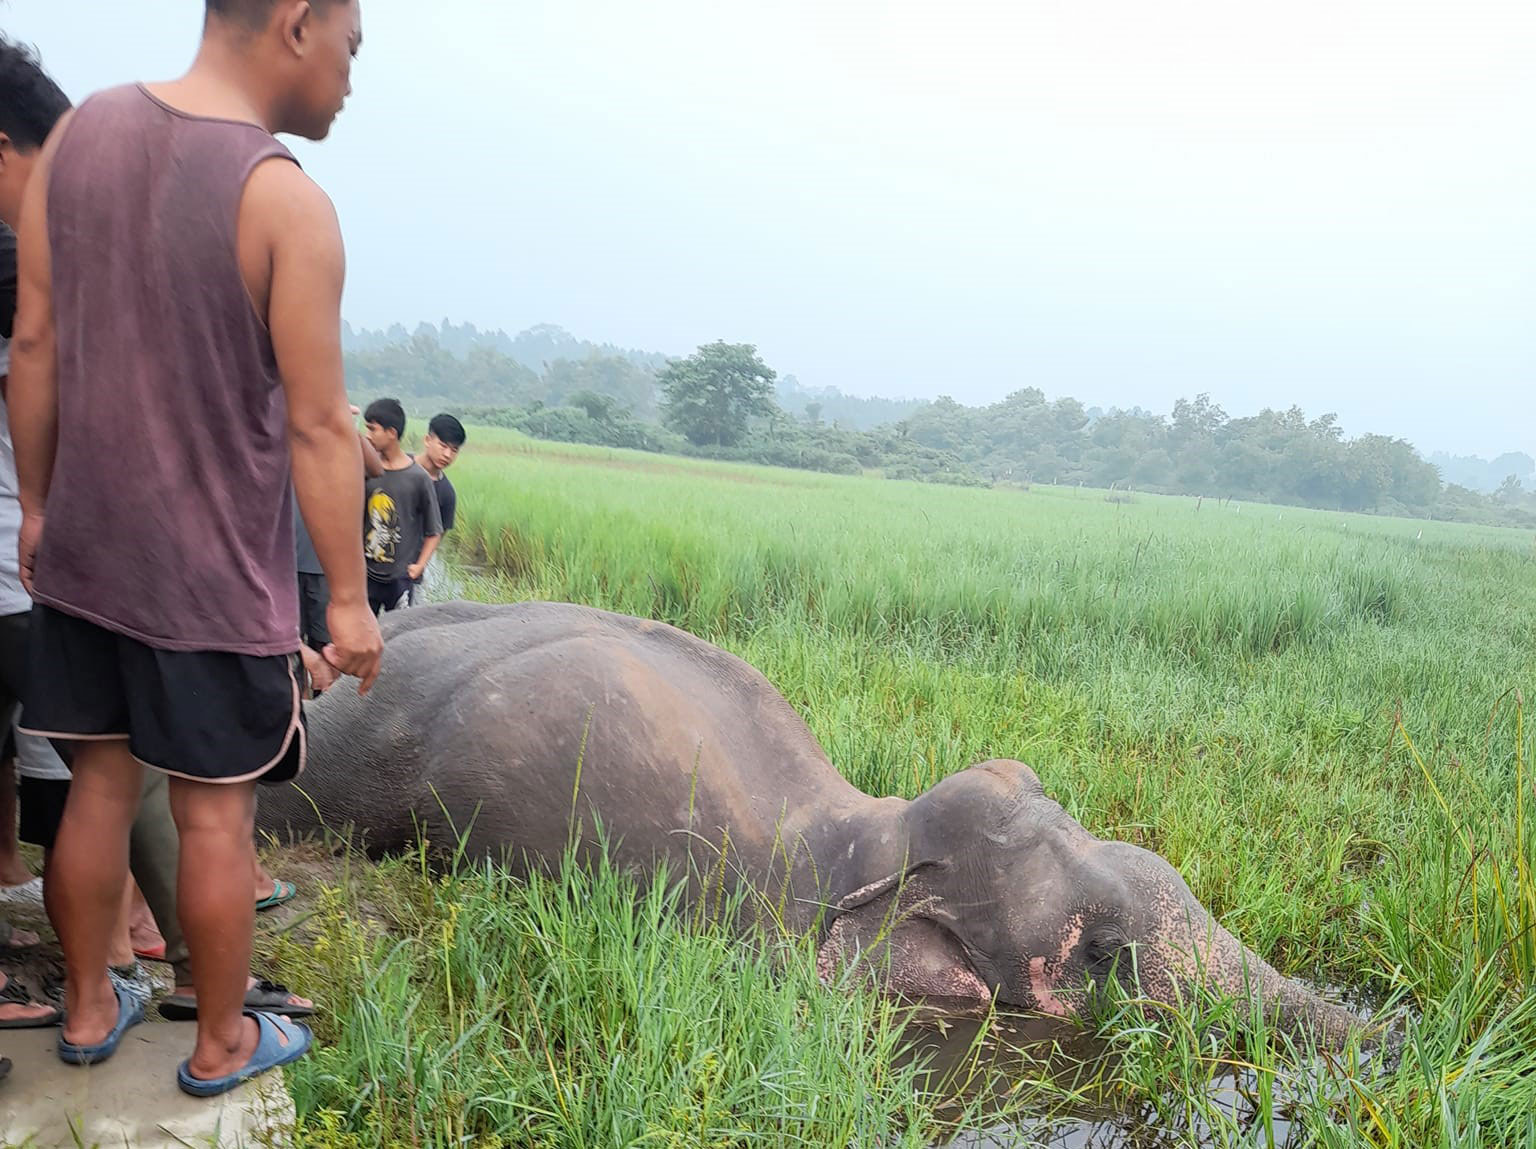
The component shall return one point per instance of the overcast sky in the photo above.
(1319, 202)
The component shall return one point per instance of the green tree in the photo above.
(711, 396)
(599, 408)
(632, 387)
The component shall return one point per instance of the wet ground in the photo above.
(1066, 1061)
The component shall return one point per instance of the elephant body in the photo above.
(523, 728)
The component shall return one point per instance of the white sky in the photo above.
(1322, 202)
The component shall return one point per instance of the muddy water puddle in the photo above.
(1060, 1065)
(1063, 1077)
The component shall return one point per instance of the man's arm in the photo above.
(304, 316)
(432, 528)
(428, 549)
(32, 390)
(373, 462)
(373, 466)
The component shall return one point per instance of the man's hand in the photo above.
(356, 645)
(322, 675)
(413, 572)
(26, 547)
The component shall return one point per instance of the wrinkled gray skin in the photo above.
(982, 886)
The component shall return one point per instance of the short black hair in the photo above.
(30, 102)
(448, 429)
(249, 13)
(386, 413)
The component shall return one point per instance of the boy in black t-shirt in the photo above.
(445, 438)
(401, 520)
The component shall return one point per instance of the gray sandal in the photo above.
(266, 996)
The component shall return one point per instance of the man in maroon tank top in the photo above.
(179, 270)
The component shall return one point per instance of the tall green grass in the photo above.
(1312, 715)
(583, 1010)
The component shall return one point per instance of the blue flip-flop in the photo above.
(282, 893)
(270, 1053)
(130, 1011)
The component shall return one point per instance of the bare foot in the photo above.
(215, 1061)
(143, 930)
(14, 872)
(24, 1011)
(92, 1014)
(146, 939)
(15, 939)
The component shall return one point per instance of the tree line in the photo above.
(724, 402)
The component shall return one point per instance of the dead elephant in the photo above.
(980, 889)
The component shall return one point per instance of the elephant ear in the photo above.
(894, 931)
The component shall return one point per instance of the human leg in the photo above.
(15, 632)
(143, 930)
(120, 946)
(155, 861)
(213, 722)
(314, 597)
(216, 823)
(87, 871)
(387, 595)
(14, 872)
(13, 869)
(155, 858)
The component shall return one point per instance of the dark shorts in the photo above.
(205, 715)
(42, 808)
(386, 594)
(314, 597)
(15, 640)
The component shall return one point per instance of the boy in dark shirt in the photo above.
(445, 439)
(401, 520)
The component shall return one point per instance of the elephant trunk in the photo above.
(1239, 973)
(1191, 947)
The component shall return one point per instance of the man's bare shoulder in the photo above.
(287, 205)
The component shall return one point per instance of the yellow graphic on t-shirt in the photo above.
(383, 534)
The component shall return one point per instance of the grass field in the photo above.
(1316, 717)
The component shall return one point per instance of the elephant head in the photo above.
(1003, 895)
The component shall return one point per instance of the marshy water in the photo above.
(1072, 1071)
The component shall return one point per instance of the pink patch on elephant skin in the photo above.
(1042, 982)
(1040, 987)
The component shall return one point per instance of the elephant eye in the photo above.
(1101, 951)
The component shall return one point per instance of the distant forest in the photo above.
(549, 384)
